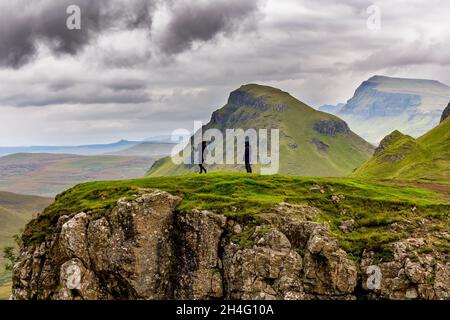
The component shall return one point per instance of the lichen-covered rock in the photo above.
(331, 127)
(199, 275)
(413, 273)
(269, 270)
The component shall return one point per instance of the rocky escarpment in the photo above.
(241, 98)
(144, 248)
(331, 127)
(446, 113)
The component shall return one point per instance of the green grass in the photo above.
(403, 157)
(374, 206)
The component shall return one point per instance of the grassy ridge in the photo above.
(374, 206)
(403, 157)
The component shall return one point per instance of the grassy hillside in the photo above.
(15, 212)
(405, 158)
(49, 174)
(374, 206)
(312, 143)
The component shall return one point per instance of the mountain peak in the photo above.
(258, 89)
(387, 79)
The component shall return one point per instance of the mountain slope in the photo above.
(49, 174)
(312, 143)
(383, 104)
(403, 157)
(15, 211)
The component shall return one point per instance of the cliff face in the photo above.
(446, 113)
(144, 248)
(381, 105)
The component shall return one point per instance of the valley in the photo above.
(15, 212)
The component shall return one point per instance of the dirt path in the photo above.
(439, 188)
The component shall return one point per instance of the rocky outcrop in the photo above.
(145, 248)
(414, 273)
(320, 145)
(241, 98)
(446, 113)
(331, 127)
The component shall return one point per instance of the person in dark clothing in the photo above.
(202, 157)
(248, 166)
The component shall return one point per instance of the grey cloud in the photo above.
(88, 92)
(79, 98)
(24, 24)
(191, 22)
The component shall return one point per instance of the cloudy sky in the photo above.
(140, 68)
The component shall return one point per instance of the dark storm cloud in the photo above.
(202, 21)
(24, 24)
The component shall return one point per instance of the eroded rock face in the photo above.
(146, 249)
(414, 273)
(331, 127)
(446, 113)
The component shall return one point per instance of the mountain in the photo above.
(402, 157)
(312, 143)
(148, 149)
(15, 212)
(49, 174)
(382, 104)
(92, 149)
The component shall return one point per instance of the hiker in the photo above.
(202, 158)
(248, 167)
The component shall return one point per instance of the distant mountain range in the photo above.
(382, 104)
(93, 149)
(87, 150)
(312, 143)
(400, 156)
